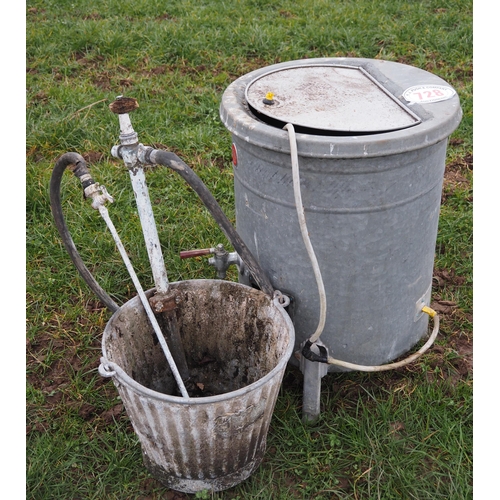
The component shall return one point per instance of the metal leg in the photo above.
(313, 373)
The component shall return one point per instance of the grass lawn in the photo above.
(405, 434)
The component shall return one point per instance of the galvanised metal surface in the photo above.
(372, 208)
(237, 342)
(329, 98)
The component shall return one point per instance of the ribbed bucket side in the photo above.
(203, 446)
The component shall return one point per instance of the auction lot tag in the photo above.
(428, 93)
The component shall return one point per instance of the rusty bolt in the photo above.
(163, 303)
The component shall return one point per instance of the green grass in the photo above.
(404, 434)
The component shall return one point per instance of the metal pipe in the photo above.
(129, 153)
(151, 239)
(132, 153)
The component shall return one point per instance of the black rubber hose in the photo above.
(82, 172)
(172, 161)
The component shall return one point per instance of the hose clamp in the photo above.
(320, 357)
(99, 195)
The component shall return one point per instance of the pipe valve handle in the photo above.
(122, 105)
(187, 254)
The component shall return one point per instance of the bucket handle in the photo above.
(107, 369)
(279, 299)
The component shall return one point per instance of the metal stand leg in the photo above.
(313, 373)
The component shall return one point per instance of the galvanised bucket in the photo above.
(237, 342)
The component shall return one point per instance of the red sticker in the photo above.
(234, 154)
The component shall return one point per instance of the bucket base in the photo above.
(219, 483)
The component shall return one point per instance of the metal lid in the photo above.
(328, 98)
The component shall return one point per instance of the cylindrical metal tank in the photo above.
(371, 139)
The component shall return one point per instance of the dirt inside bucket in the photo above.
(231, 336)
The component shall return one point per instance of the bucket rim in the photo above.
(111, 369)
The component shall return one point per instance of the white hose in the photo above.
(391, 366)
(319, 280)
(305, 235)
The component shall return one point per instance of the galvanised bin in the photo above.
(237, 342)
(371, 138)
